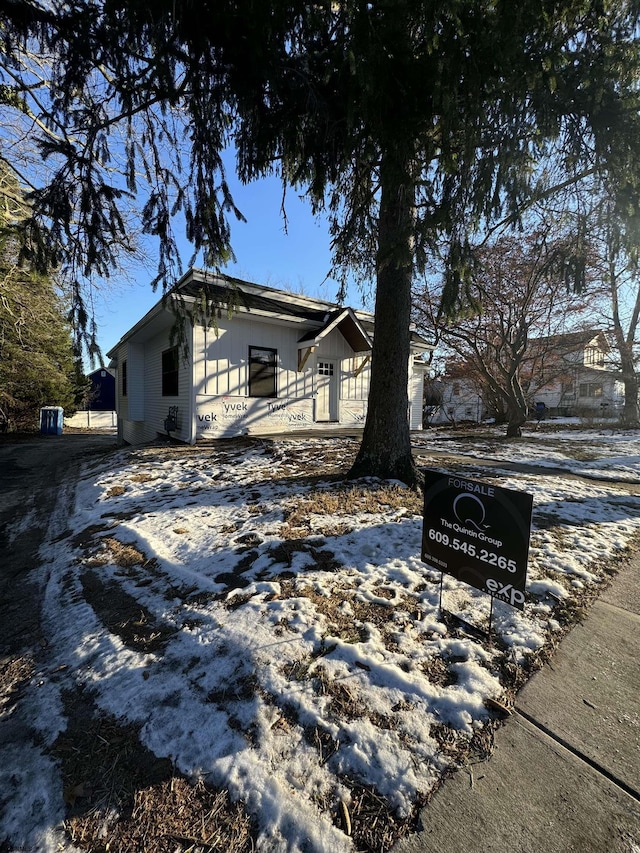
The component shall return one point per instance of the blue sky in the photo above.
(298, 260)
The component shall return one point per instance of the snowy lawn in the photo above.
(238, 611)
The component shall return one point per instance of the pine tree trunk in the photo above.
(385, 451)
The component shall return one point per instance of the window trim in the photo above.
(251, 379)
(590, 390)
(594, 356)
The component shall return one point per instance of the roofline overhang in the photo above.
(353, 332)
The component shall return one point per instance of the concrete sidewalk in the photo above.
(565, 774)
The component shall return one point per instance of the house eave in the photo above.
(154, 321)
(346, 322)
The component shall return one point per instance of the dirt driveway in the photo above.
(34, 471)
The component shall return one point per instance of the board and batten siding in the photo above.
(351, 387)
(142, 423)
(222, 358)
(416, 396)
(222, 402)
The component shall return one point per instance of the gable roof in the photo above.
(574, 340)
(223, 291)
(349, 326)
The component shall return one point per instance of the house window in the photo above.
(262, 372)
(456, 389)
(592, 355)
(325, 368)
(170, 364)
(124, 378)
(590, 389)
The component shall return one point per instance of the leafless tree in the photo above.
(505, 341)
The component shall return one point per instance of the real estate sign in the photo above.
(479, 533)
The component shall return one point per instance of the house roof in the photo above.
(349, 326)
(574, 340)
(97, 373)
(222, 291)
(252, 298)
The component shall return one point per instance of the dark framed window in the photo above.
(124, 378)
(590, 389)
(593, 355)
(170, 364)
(262, 372)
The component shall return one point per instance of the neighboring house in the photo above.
(100, 405)
(574, 377)
(453, 399)
(275, 362)
(102, 392)
(569, 374)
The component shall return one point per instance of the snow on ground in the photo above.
(607, 453)
(291, 661)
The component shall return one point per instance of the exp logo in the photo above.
(506, 591)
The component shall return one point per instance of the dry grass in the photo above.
(15, 674)
(342, 500)
(143, 477)
(373, 828)
(122, 799)
(124, 554)
(116, 491)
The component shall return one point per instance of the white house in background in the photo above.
(454, 400)
(575, 377)
(570, 374)
(275, 362)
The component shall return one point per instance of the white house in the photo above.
(575, 376)
(266, 361)
(569, 373)
(454, 400)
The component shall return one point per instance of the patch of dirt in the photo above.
(321, 559)
(123, 615)
(15, 673)
(121, 798)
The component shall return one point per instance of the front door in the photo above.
(326, 391)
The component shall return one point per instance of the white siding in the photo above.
(221, 371)
(355, 387)
(157, 406)
(220, 404)
(222, 358)
(351, 388)
(416, 397)
(145, 386)
(135, 381)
